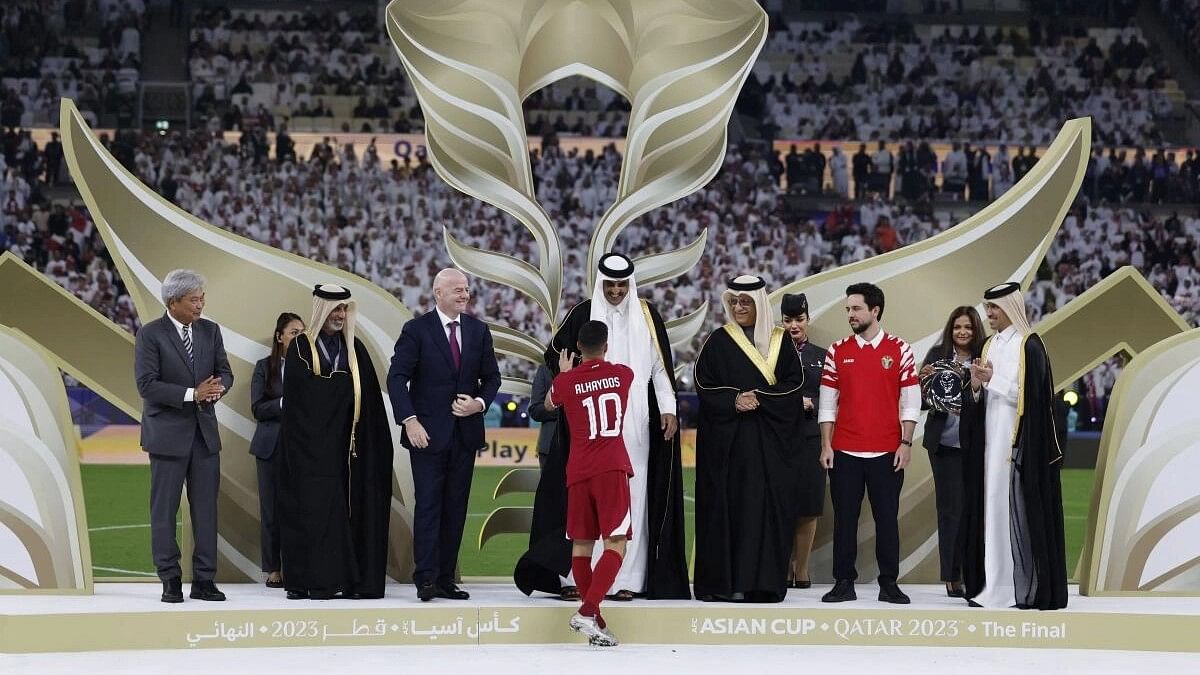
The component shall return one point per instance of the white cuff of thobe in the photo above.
(189, 395)
(482, 404)
(663, 393)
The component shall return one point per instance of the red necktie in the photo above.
(455, 353)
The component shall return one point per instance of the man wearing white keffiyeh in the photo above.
(615, 302)
(654, 560)
(1013, 542)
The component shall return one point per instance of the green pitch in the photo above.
(118, 516)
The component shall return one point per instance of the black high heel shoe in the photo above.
(796, 583)
(954, 591)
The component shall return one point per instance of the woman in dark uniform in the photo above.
(810, 490)
(266, 396)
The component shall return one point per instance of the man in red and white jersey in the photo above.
(594, 396)
(870, 400)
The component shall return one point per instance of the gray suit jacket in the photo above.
(163, 374)
(537, 410)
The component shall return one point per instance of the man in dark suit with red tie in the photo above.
(443, 377)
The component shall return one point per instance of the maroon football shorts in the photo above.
(598, 507)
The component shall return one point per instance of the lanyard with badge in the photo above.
(334, 361)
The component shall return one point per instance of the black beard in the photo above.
(860, 328)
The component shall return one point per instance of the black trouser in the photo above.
(442, 482)
(268, 470)
(947, 465)
(849, 478)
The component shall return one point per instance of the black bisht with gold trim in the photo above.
(334, 491)
(747, 470)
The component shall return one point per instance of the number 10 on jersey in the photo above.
(604, 415)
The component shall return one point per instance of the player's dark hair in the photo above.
(593, 336)
(872, 296)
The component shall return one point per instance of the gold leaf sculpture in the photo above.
(657, 267)
(43, 526)
(506, 520)
(517, 481)
(148, 236)
(680, 64)
(1145, 511)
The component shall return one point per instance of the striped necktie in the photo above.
(187, 341)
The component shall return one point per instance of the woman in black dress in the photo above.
(810, 498)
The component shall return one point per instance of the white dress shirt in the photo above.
(190, 394)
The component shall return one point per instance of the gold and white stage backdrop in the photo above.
(680, 64)
(1144, 525)
(43, 529)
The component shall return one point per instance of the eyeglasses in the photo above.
(742, 302)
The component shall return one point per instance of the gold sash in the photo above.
(766, 366)
(653, 332)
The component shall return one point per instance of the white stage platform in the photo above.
(130, 617)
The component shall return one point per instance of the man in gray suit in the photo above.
(181, 371)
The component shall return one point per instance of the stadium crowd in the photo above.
(838, 80)
(247, 67)
(386, 223)
(961, 83)
(47, 53)
(871, 83)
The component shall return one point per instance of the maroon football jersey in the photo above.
(593, 396)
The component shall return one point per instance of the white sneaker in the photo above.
(611, 642)
(596, 635)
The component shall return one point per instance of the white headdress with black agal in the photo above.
(1009, 298)
(616, 267)
(326, 298)
(630, 341)
(756, 288)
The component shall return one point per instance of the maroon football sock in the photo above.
(581, 568)
(603, 577)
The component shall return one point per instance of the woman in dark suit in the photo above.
(266, 402)
(962, 341)
(810, 501)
